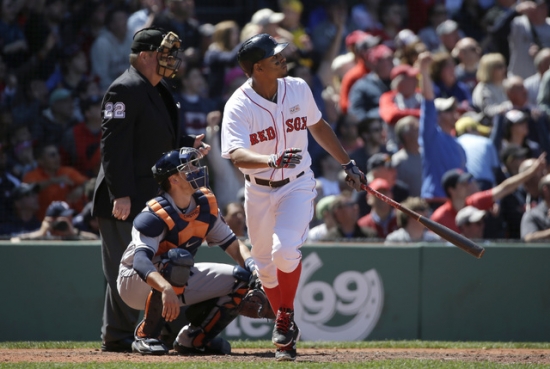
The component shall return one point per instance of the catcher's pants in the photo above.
(207, 281)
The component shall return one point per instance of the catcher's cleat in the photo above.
(288, 353)
(217, 346)
(123, 345)
(285, 328)
(149, 346)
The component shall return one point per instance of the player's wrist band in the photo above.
(349, 165)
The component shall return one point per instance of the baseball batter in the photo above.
(264, 133)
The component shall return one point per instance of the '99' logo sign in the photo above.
(346, 310)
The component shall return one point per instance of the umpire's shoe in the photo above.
(285, 328)
(123, 345)
(217, 346)
(288, 353)
(149, 346)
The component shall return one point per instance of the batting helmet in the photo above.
(256, 48)
(185, 160)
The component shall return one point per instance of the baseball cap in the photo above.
(354, 37)
(446, 27)
(378, 160)
(59, 94)
(322, 205)
(444, 104)
(515, 116)
(511, 152)
(25, 189)
(404, 69)
(379, 184)
(454, 176)
(265, 16)
(466, 123)
(405, 37)
(59, 209)
(148, 39)
(469, 214)
(379, 52)
(257, 48)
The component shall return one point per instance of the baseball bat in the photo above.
(447, 234)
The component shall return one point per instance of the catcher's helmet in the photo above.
(185, 161)
(256, 48)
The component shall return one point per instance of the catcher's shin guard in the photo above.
(212, 316)
(152, 322)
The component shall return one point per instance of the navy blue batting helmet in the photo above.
(186, 161)
(256, 48)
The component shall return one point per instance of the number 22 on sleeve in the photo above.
(115, 111)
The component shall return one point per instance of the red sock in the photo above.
(274, 296)
(288, 284)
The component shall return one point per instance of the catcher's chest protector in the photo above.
(186, 230)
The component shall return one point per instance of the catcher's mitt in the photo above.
(256, 305)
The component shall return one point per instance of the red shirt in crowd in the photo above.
(446, 214)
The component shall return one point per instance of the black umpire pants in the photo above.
(119, 320)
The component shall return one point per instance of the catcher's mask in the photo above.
(186, 162)
(167, 44)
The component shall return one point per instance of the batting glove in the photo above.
(287, 158)
(354, 177)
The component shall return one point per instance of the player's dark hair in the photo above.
(165, 185)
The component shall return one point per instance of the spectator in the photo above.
(221, 56)
(8, 183)
(468, 53)
(535, 223)
(329, 176)
(520, 34)
(499, 8)
(445, 82)
(437, 14)
(56, 119)
(409, 53)
(515, 131)
(145, 16)
(323, 218)
(449, 34)
(408, 161)
(402, 100)
(365, 15)
(194, 102)
(365, 94)
(57, 182)
(109, 55)
(21, 156)
(57, 224)
(462, 191)
(30, 101)
(81, 142)
(526, 197)
(179, 17)
(371, 131)
(543, 97)
(440, 149)
(346, 214)
(24, 207)
(469, 17)
(381, 219)
(411, 230)
(489, 95)
(511, 158)
(292, 11)
(323, 33)
(347, 132)
(533, 82)
(481, 155)
(391, 15)
(380, 166)
(85, 221)
(235, 217)
(360, 43)
(71, 71)
(15, 49)
(269, 22)
(470, 222)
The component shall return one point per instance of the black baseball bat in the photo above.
(447, 234)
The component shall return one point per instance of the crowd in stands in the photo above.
(444, 105)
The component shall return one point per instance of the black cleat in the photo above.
(288, 353)
(149, 346)
(217, 346)
(285, 328)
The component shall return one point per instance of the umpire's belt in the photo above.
(273, 184)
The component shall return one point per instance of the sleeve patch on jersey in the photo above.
(115, 110)
(295, 109)
(149, 224)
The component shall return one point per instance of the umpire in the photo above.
(140, 123)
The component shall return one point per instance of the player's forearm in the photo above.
(243, 158)
(325, 136)
(536, 236)
(236, 252)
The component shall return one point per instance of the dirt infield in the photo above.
(523, 356)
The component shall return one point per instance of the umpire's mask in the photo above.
(168, 55)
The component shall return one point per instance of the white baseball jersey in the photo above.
(252, 122)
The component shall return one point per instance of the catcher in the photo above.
(158, 273)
